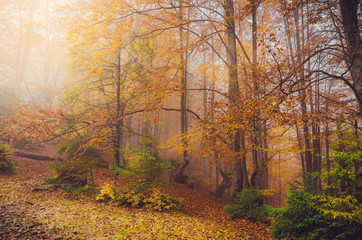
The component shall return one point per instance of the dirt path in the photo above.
(17, 222)
(19, 208)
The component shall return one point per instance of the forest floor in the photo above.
(26, 213)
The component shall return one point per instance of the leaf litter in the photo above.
(201, 217)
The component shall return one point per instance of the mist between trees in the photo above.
(233, 93)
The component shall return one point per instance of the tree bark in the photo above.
(179, 176)
(118, 139)
(307, 150)
(233, 90)
(349, 12)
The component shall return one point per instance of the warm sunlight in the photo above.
(180, 119)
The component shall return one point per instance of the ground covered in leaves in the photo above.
(27, 213)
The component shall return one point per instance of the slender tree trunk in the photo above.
(119, 158)
(300, 144)
(23, 50)
(205, 108)
(328, 159)
(179, 176)
(357, 168)
(307, 150)
(280, 184)
(257, 133)
(216, 155)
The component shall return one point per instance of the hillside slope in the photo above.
(29, 214)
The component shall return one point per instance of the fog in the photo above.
(33, 65)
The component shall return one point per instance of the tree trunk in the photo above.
(119, 158)
(233, 90)
(349, 11)
(179, 176)
(205, 108)
(23, 50)
(328, 160)
(300, 144)
(307, 150)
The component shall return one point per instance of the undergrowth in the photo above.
(6, 165)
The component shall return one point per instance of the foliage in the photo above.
(248, 205)
(143, 188)
(77, 170)
(142, 172)
(299, 220)
(6, 165)
(107, 193)
(70, 148)
(76, 190)
(84, 220)
(347, 156)
(316, 216)
(160, 201)
(19, 143)
(343, 215)
(335, 213)
(152, 199)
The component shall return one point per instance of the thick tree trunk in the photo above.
(349, 11)
(225, 184)
(233, 89)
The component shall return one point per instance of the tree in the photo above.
(350, 11)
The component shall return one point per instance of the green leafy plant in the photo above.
(335, 213)
(75, 190)
(143, 186)
(343, 176)
(299, 220)
(77, 170)
(6, 165)
(142, 172)
(248, 206)
(343, 215)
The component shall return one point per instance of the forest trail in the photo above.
(26, 213)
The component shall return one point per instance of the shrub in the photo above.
(299, 220)
(107, 193)
(152, 199)
(344, 177)
(76, 190)
(142, 172)
(343, 215)
(21, 144)
(162, 202)
(248, 206)
(335, 213)
(143, 187)
(6, 165)
(77, 170)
